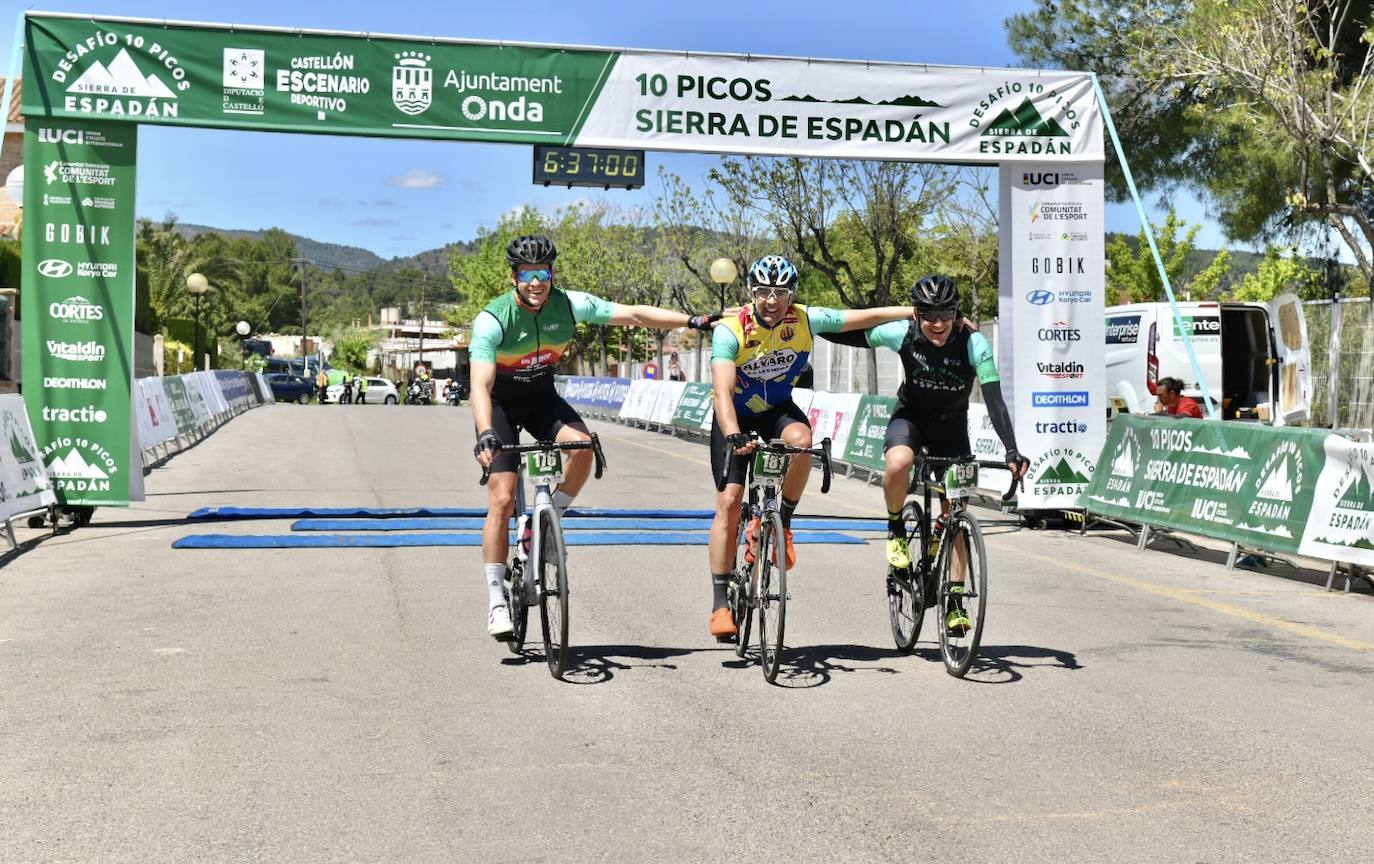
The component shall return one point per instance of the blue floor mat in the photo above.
(571, 523)
(225, 513)
(389, 540)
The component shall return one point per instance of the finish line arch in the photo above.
(89, 83)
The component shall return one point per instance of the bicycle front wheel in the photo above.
(772, 594)
(963, 586)
(515, 603)
(553, 593)
(905, 599)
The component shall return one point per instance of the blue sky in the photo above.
(399, 197)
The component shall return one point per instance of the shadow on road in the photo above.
(597, 664)
(1002, 664)
(814, 665)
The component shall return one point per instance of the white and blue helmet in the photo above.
(773, 271)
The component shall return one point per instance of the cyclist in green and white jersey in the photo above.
(517, 341)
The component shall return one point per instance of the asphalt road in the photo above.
(347, 705)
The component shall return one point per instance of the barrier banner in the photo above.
(77, 304)
(1340, 525)
(182, 411)
(24, 483)
(801, 397)
(665, 403)
(693, 406)
(195, 396)
(264, 389)
(274, 79)
(1235, 481)
(577, 390)
(865, 445)
(155, 421)
(233, 385)
(639, 400)
(610, 393)
(831, 416)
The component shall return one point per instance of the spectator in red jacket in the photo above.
(1172, 400)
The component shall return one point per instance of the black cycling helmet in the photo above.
(935, 292)
(530, 249)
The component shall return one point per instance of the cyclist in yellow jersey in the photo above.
(757, 355)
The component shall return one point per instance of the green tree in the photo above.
(1133, 273)
(350, 351)
(1279, 273)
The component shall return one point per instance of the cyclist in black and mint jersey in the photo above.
(940, 362)
(517, 341)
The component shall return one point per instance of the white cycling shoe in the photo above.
(498, 623)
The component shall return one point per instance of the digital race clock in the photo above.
(588, 166)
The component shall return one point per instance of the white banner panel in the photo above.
(831, 416)
(24, 483)
(154, 413)
(847, 110)
(665, 401)
(1340, 526)
(802, 396)
(639, 401)
(1052, 309)
(195, 392)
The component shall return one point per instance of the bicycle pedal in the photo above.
(726, 640)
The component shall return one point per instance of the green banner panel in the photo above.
(181, 404)
(78, 303)
(692, 407)
(1236, 481)
(284, 81)
(865, 446)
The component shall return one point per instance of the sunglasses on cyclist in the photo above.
(766, 292)
(939, 315)
(525, 277)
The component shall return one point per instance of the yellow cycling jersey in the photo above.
(768, 360)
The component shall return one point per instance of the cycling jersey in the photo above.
(526, 345)
(769, 360)
(937, 377)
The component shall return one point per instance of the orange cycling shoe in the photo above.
(723, 624)
(752, 533)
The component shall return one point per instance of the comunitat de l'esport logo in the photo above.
(121, 75)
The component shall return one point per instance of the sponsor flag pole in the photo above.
(1154, 250)
(9, 79)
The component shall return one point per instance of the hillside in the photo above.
(326, 256)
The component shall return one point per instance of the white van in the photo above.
(1252, 355)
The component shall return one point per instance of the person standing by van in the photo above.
(1174, 403)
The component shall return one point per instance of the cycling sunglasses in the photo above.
(525, 277)
(939, 315)
(764, 292)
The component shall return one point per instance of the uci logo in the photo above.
(54, 268)
(60, 136)
(1040, 297)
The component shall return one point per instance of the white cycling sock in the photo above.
(496, 594)
(561, 501)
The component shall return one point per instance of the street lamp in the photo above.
(197, 285)
(243, 328)
(723, 272)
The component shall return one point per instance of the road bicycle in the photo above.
(537, 572)
(948, 559)
(761, 586)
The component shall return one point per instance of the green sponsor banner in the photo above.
(692, 407)
(865, 445)
(78, 304)
(364, 84)
(293, 81)
(181, 404)
(1237, 481)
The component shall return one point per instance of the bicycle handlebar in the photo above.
(594, 445)
(822, 450)
(939, 463)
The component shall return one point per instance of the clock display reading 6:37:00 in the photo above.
(588, 165)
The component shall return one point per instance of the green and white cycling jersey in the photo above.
(526, 345)
(938, 378)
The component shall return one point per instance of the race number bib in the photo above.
(545, 466)
(769, 466)
(961, 479)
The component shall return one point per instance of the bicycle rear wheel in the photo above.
(964, 535)
(740, 606)
(905, 599)
(553, 592)
(772, 594)
(515, 602)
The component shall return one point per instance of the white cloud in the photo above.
(417, 178)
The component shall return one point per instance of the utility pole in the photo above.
(305, 322)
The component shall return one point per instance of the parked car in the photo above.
(379, 391)
(290, 388)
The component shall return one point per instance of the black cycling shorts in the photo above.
(768, 425)
(541, 414)
(945, 434)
